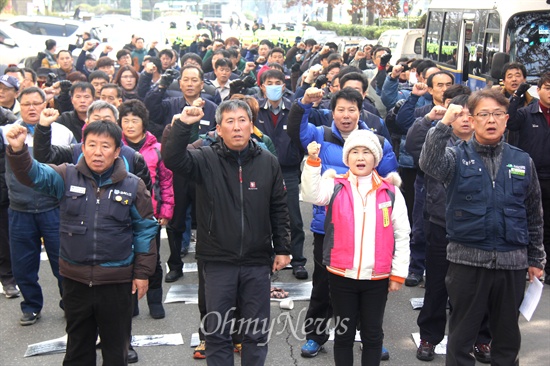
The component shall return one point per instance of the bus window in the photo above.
(433, 34)
(451, 34)
(529, 35)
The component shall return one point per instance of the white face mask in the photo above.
(412, 77)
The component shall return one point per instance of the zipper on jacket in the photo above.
(96, 215)
(242, 207)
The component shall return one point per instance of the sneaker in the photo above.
(173, 276)
(482, 352)
(300, 272)
(413, 280)
(311, 349)
(29, 318)
(10, 291)
(426, 351)
(200, 351)
(385, 355)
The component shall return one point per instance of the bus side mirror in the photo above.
(499, 59)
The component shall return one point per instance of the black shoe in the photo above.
(154, 300)
(413, 279)
(482, 352)
(300, 272)
(173, 276)
(385, 355)
(29, 318)
(426, 351)
(184, 253)
(132, 355)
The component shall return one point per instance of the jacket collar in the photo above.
(119, 172)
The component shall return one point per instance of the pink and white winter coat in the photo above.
(369, 238)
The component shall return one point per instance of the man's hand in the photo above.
(396, 71)
(312, 95)
(48, 116)
(385, 59)
(313, 149)
(437, 113)
(190, 115)
(107, 48)
(313, 72)
(260, 60)
(315, 48)
(280, 262)
(325, 50)
(248, 67)
(16, 136)
(522, 89)
(150, 68)
(88, 45)
(452, 114)
(199, 103)
(141, 286)
(394, 286)
(360, 55)
(64, 86)
(419, 89)
(532, 271)
(217, 46)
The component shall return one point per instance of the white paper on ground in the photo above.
(440, 349)
(188, 293)
(417, 303)
(174, 339)
(531, 299)
(58, 345)
(190, 267)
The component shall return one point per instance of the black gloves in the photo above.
(168, 77)
(249, 81)
(522, 89)
(385, 59)
(41, 55)
(321, 80)
(51, 78)
(236, 86)
(65, 86)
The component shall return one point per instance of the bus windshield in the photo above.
(528, 41)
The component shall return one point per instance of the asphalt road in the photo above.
(286, 340)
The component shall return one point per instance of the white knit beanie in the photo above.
(364, 138)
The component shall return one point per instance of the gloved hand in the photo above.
(295, 67)
(41, 55)
(522, 89)
(249, 81)
(168, 77)
(51, 78)
(65, 86)
(398, 105)
(321, 80)
(236, 86)
(385, 59)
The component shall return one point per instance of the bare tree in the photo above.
(330, 5)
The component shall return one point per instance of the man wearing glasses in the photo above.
(494, 226)
(33, 215)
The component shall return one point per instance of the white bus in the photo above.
(474, 38)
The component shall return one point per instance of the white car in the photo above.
(63, 31)
(16, 45)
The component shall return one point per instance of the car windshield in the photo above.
(528, 40)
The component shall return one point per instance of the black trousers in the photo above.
(319, 311)
(184, 196)
(355, 301)
(433, 315)
(6, 274)
(545, 191)
(473, 291)
(103, 308)
(225, 286)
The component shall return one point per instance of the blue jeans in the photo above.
(186, 240)
(26, 229)
(297, 235)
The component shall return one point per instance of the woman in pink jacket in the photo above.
(366, 247)
(133, 120)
